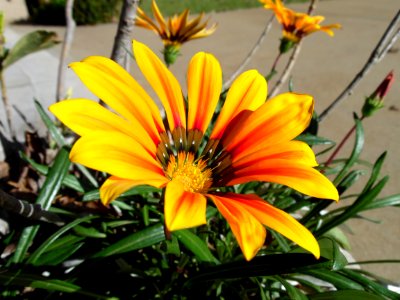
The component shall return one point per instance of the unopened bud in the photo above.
(171, 53)
(374, 102)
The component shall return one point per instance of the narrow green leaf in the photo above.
(30, 43)
(138, 190)
(144, 238)
(369, 284)
(363, 200)
(39, 282)
(358, 146)
(375, 172)
(196, 245)
(54, 131)
(338, 235)
(330, 250)
(46, 195)
(348, 181)
(293, 292)
(339, 281)
(53, 238)
(55, 258)
(267, 265)
(345, 295)
(314, 140)
(89, 232)
(69, 180)
(393, 200)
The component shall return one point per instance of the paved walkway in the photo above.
(325, 66)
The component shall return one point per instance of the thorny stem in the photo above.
(341, 144)
(6, 105)
(384, 45)
(249, 56)
(68, 38)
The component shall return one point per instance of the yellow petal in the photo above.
(295, 151)
(248, 92)
(278, 120)
(296, 175)
(123, 98)
(183, 209)
(115, 70)
(278, 220)
(204, 87)
(117, 154)
(114, 186)
(249, 232)
(85, 116)
(158, 15)
(164, 84)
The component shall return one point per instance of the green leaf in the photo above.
(358, 146)
(345, 295)
(293, 292)
(393, 200)
(330, 250)
(69, 180)
(137, 190)
(53, 238)
(348, 181)
(56, 258)
(339, 281)
(30, 280)
(54, 131)
(375, 172)
(369, 284)
(267, 265)
(46, 195)
(141, 239)
(30, 43)
(196, 245)
(358, 205)
(89, 232)
(314, 140)
(338, 235)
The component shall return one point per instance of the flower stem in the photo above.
(273, 71)
(7, 106)
(341, 144)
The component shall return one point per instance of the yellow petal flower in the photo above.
(177, 29)
(204, 87)
(251, 140)
(297, 25)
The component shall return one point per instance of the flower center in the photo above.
(192, 174)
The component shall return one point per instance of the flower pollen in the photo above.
(194, 175)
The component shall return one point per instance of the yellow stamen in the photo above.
(194, 175)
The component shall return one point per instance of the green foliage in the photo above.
(85, 11)
(30, 43)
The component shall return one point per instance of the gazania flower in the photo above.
(251, 140)
(296, 25)
(175, 31)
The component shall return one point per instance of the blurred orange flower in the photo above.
(297, 25)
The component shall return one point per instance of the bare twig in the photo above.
(287, 70)
(122, 38)
(249, 56)
(384, 45)
(68, 38)
(289, 66)
(7, 105)
(27, 210)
